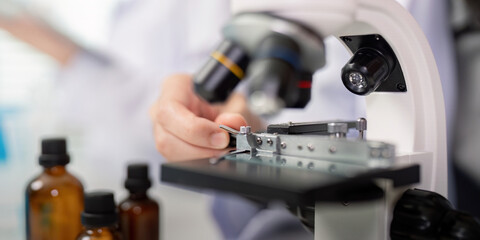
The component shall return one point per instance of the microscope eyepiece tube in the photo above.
(366, 70)
(222, 72)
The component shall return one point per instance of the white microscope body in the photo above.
(414, 121)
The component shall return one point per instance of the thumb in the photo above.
(233, 120)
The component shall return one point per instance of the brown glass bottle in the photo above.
(139, 215)
(54, 199)
(100, 218)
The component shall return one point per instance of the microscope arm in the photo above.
(414, 120)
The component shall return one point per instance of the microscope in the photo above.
(387, 184)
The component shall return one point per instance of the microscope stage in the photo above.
(296, 185)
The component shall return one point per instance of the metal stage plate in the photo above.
(255, 179)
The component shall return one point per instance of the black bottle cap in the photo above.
(137, 178)
(100, 210)
(54, 152)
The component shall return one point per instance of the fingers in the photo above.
(233, 120)
(179, 88)
(238, 103)
(175, 149)
(185, 125)
(187, 117)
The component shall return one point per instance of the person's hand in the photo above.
(186, 127)
(41, 36)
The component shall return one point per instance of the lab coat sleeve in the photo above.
(94, 88)
(239, 218)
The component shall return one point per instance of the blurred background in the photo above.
(29, 112)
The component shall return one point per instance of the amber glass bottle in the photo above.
(99, 218)
(54, 199)
(139, 215)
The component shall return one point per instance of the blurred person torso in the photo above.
(107, 95)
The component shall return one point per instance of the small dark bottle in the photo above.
(54, 199)
(139, 215)
(100, 218)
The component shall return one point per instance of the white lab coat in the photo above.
(106, 96)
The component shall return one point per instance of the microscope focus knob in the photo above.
(424, 215)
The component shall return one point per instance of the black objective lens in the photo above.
(301, 97)
(222, 72)
(366, 70)
(273, 75)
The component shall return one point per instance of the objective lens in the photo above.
(219, 76)
(357, 80)
(273, 75)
